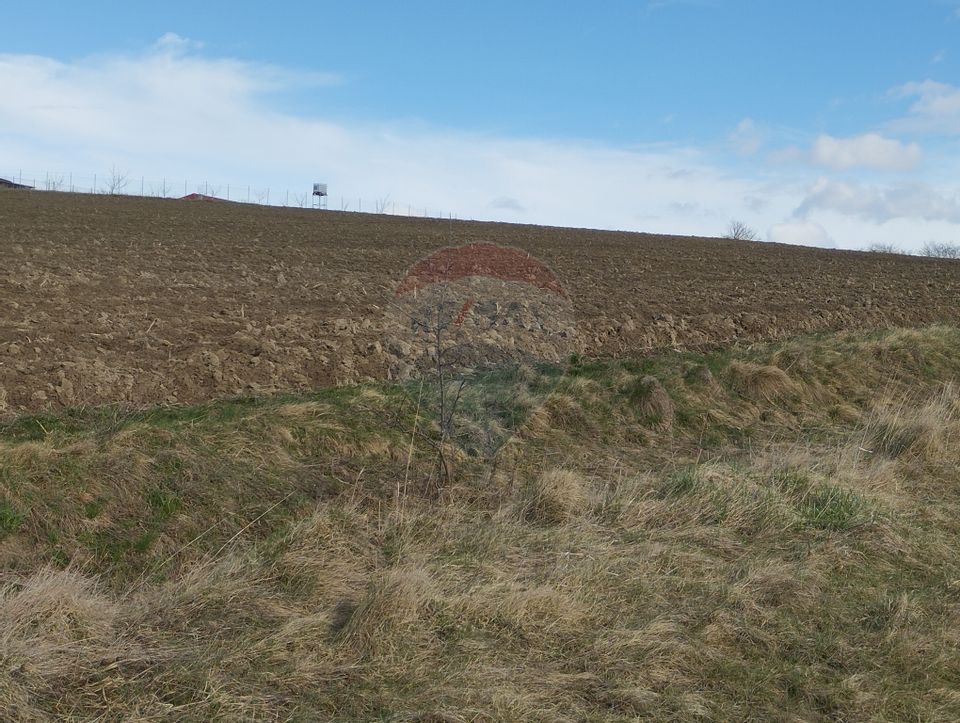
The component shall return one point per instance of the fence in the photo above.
(123, 184)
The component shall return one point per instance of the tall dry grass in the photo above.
(784, 548)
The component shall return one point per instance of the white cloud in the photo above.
(803, 233)
(879, 205)
(747, 137)
(935, 108)
(870, 150)
(177, 43)
(173, 113)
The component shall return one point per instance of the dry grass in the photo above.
(900, 428)
(555, 496)
(760, 557)
(654, 404)
(388, 618)
(56, 628)
(761, 382)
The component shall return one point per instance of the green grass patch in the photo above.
(93, 508)
(680, 482)
(830, 507)
(10, 518)
(163, 502)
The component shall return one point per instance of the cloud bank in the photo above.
(171, 112)
(935, 108)
(870, 151)
(880, 205)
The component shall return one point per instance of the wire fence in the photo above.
(124, 184)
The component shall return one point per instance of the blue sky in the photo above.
(830, 123)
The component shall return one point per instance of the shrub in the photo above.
(739, 231)
(940, 250)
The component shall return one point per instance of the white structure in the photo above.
(320, 194)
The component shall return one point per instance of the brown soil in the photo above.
(107, 299)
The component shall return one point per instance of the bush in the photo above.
(739, 231)
(884, 248)
(939, 250)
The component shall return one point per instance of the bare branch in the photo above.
(116, 181)
(941, 250)
(739, 231)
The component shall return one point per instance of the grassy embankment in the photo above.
(767, 532)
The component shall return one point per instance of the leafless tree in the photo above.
(941, 250)
(739, 231)
(116, 181)
(381, 204)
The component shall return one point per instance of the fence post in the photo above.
(94, 183)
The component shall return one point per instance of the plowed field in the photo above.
(112, 299)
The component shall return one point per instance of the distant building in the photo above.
(4, 183)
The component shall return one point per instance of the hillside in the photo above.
(757, 532)
(143, 301)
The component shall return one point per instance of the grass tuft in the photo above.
(555, 496)
(10, 518)
(761, 382)
(652, 401)
(829, 507)
(390, 617)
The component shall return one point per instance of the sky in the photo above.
(831, 124)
